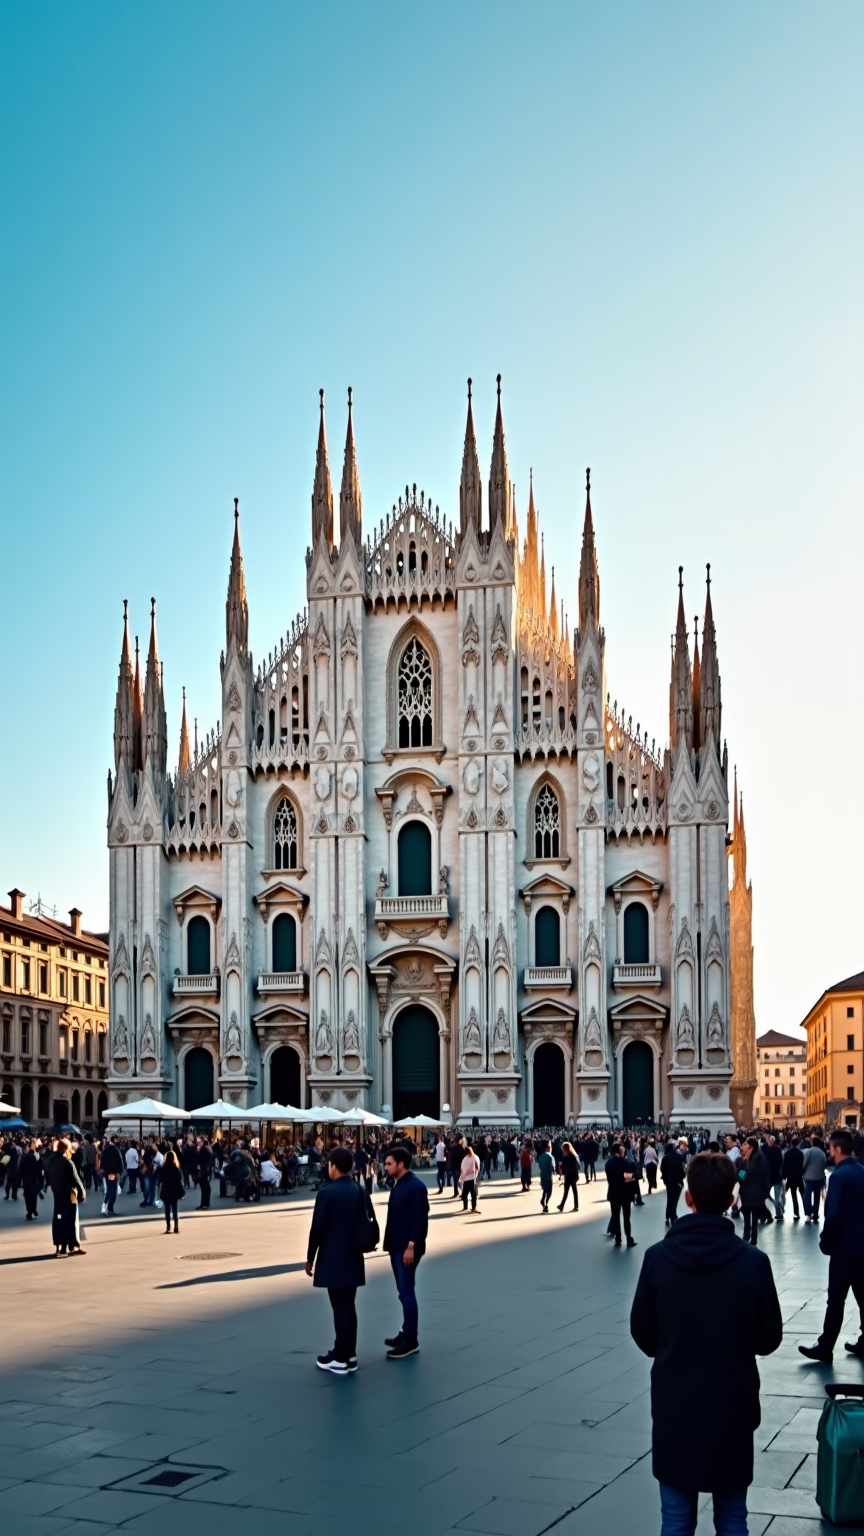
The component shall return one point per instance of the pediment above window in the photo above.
(636, 884)
(279, 896)
(638, 1009)
(543, 888)
(435, 788)
(196, 899)
(546, 1011)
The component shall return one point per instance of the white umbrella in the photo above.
(9, 1109)
(363, 1117)
(146, 1109)
(220, 1109)
(273, 1112)
(417, 1120)
(322, 1114)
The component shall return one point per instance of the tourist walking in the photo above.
(650, 1162)
(755, 1173)
(67, 1187)
(32, 1172)
(813, 1174)
(132, 1160)
(620, 1179)
(686, 1279)
(546, 1166)
(570, 1173)
(454, 1159)
(441, 1164)
(204, 1173)
(672, 1172)
(526, 1158)
(773, 1155)
(842, 1239)
(171, 1188)
(405, 1241)
(793, 1172)
(112, 1168)
(469, 1173)
(334, 1255)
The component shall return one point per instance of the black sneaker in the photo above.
(855, 1349)
(815, 1353)
(631, 1242)
(352, 1362)
(329, 1362)
(403, 1349)
(394, 1342)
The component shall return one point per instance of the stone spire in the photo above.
(350, 500)
(697, 688)
(710, 691)
(154, 744)
(589, 576)
(681, 686)
(184, 761)
(322, 490)
(137, 714)
(470, 484)
(500, 496)
(553, 609)
(236, 606)
(530, 562)
(542, 583)
(124, 708)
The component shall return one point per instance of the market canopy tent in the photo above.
(421, 1120)
(145, 1109)
(9, 1109)
(274, 1112)
(220, 1109)
(363, 1117)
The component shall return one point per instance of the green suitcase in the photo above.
(840, 1463)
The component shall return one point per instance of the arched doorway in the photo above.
(198, 1078)
(416, 1069)
(44, 1103)
(76, 1108)
(637, 1082)
(26, 1105)
(549, 1070)
(285, 1077)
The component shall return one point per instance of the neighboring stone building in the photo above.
(835, 1054)
(423, 862)
(742, 1093)
(53, 1016)
(781, 1096)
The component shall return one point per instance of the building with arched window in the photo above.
(424, 861)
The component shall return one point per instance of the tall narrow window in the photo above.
(88, 1046)
(547, 824)
(285, 836)
(43, 1039)
(547, 937)
(100, 1047)
(88, 991)
(415, 696)
(25, 1036)
(63, 1039)
(415, 860)
(636, 938)
(284, 943)
(198, 947)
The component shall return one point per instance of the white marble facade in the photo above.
(421, 861)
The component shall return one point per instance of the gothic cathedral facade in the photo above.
(422, 866)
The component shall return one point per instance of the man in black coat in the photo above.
(672, 1172)
(203, 1173)
(793, 1173)
(773, 1155)
(755, 1188)
(32, 1171)
(842, 1240)
(405, 1241)
(681, 1317)
(112, 1167)
(335, 1254)
(621, 1178)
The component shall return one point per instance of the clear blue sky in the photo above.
(649, 219)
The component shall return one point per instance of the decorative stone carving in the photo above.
(351, 1037)
(500, 776)
(382, 885)
(233, 1042)
(321, 642)
(499, 640)
(232, 703)
(472, 820)
(591, 773)
(714, 1037)
(714, 948)
(471, 776)
(148, 1040)
(121, 832)
(348, 646)
(500, 817)
(592, 945)
(323, 1037)
(443, 881)
(593, 1034)
(350, 954)
(148, 959)
(501, 952)
(593, 1094)
(121, 1040)
(233, 829)
(323, 952)
(589, 679)
(591, 815)
(685, 1039)
(350, 783)
(147, 832)
(501, 1045)
(232, 957)
(121, 958)
(472, 950)
(686, 1092)
(321, 780)
(684, 947)
(714, 1091)
(712, 810)
(471, 1040)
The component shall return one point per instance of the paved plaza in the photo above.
(527, 1409)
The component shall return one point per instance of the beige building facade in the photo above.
(835, 1054)
(781, 1095)
(53, 1017)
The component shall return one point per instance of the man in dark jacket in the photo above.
(672, 1171)
(773, 1155)
(793, 1173)
(405, 1241)
(112, 1168)
(335, 1253)
(32, 1172)
(686, 1279)
(755, 1188)
(843, 1240)
(621, 1179)
(203, 1172)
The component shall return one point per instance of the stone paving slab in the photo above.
(527, 1410)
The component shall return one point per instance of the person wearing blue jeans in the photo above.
(405, 1241)
(683, 1318)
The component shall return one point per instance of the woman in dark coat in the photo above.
(755, 1188)
(68, 1190)
(570, 1171)
(172, 1187)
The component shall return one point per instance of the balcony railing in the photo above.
(547, 977)
(282, 981)
(417, 914)
(197, 986)
(647, 975)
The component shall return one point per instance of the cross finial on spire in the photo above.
(588, 480)
(470, 381)
(236, 509)
(498, 382)
(680, 578)
(708, 573)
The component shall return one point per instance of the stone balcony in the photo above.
(547, 978)
(641, 976)
(197, 986)
(270, 982)
(412, 916)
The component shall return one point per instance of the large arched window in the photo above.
(547, 824)
(636, 939)
(414, 696)
(285, 835)
(198, 947)
(415, 860)
(547, 937)
(284, 943)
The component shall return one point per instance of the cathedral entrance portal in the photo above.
(198, 1078)
(416, 1070)
(285, 1077)
(549, 1069)
(637, 1083)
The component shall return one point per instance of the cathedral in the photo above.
(422, 865)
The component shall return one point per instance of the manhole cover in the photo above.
(212, 1255)
(169, 1479)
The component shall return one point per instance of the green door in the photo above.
(638, 1075)
(416, 1080)
(198, 1078)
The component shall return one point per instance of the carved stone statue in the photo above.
(471, 776)
(382, 885)
(352, 1035)
(121, 1040)
(501, 1036)
(323, 1037)
(350, 783)
(233, 1043)
(593, 1037)
(686, 1040)
(714, 1036)
(443, 882)
(322, 782)
(500, 776)
(471, 1043)
(591, 772)
(148, 1040)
